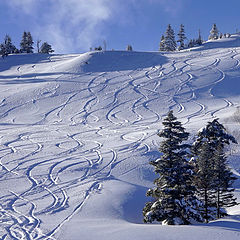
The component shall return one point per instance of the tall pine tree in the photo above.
(204, 169)
(174, 200)
(26, 45)
(181, 37)
(208, 151)
(170, 43)
(223, 180)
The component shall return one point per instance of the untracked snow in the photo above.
(77, 133)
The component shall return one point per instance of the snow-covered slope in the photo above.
(77, 133)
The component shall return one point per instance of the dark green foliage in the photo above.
(170, 43)
(26, 45)
(215, 134)
(204, 169)
(7, 47)
(181, 37)
(46, 48)
(213, 179)
(174, 200)
(223, 180)
(129, 48)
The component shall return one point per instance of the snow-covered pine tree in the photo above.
(181, 37)
(7, 47)
(29, 43)
(10, 48)
(210, 138)
(215, 134)
(213, 33)
(26, 45)
(170, 43)
(46, 48)
(223, 180)
(204, 183)
(174, 200)
(162, 44)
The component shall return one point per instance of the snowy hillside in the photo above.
(78, 131)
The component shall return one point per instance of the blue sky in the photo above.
(73, 26)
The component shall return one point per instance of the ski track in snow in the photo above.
(69, 146)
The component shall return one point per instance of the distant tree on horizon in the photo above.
(46, 48)
(7, 47)
(26, 45)
(214, 33)
(199, 40)
(170, 43)
(129, 48)
(162, 44)
(181, 37)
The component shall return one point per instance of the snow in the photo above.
(78, 131)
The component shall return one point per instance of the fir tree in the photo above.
(223, 180)
(199, 40)
(190, 44)
(181, 37)
(215, 134)
(162, 44)
(213, 33)
(129, 48)
(29, 43)
(170, 43)
(26, 45)
(3, 51)
(10, 48)
(46, 48)
(211, 138)
(174, 200)
(7, 47)
(204, 169)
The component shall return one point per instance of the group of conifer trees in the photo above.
(26, 46)
(194, 183)
(168, 42)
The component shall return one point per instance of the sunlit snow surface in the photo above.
(77, 133)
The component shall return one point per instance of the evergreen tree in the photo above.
(199, 40)
(174, 200)
(3, 51)
(7, 47)
(215, 134)
(181, 37)
(46, 48)
(10, 48)
(162, 44)
(129, 48)
(26, 45)
(170, 43)
(223, 180)
(190, 44)
(208, 151)
(29, 43)
(213, 33)
(204, 169)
